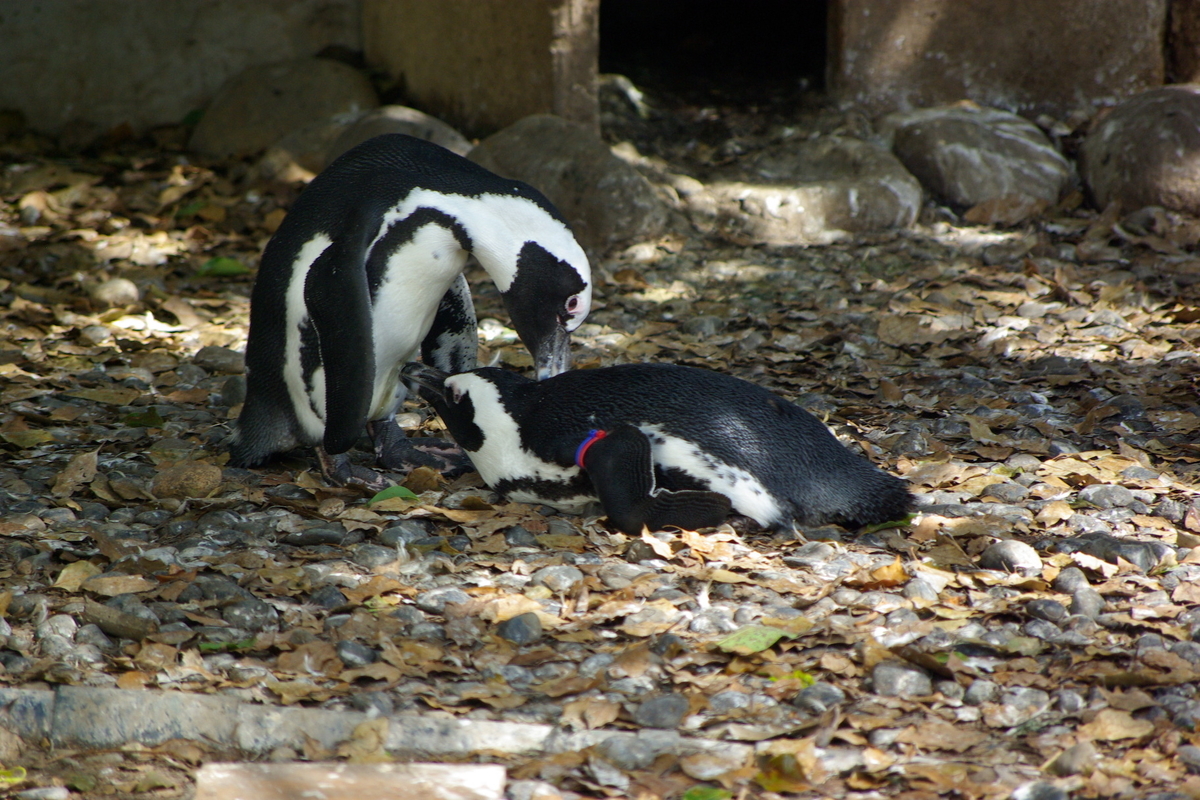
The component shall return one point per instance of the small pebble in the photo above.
(1010, 555)
(355, 654)
(664, 711)
(980, 691)
(373, 556)
(435, 600)
(896, 679)
(819, 697)
(1103, 495)
(251, 615)
(1070, 580)
(517, 536)
(1039, 791)
(1049, 610)
(1189, 754)
(627, 752)
(219, 359)
(1087, 602)
(521, 629)
(558, 579)
(115, 292)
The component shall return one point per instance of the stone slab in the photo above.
(101, 718)
(29, 713)
(350, 781)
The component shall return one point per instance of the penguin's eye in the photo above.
(573, 303)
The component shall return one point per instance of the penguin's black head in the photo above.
(547, 299)
(451, 404)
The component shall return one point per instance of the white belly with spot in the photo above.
(417, 276)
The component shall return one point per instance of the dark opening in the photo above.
(722, 51)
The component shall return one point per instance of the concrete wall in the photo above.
(150, 62)
(484, 64)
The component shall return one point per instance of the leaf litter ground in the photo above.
(1036, 385)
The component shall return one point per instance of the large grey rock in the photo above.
(808, 192)
(1146, 151)
(263, 104)
(398, 119)
(967, 155)
(606, 201)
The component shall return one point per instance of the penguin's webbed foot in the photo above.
(341, 471)
(394, 450)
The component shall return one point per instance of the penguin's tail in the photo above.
(258, 434)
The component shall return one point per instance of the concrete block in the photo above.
(1025, 56)
(86, 718)
(484, 64)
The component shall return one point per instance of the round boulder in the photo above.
(262, 104)
(1146, 151)
(970, 156)
(808, 192)
(606, 201)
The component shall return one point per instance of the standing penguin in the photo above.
(659, 444)
(367, 269)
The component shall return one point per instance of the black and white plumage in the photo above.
(367, 270)
(659, 444)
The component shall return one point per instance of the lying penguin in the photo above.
(366, 269)
(658, 445)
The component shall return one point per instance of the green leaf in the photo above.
(190, 208)
(223, 647)
(752, 639)
(706, 793)
(805, 678)
(11, 777)
(896, 523)
(223, 267)
(149, 418)
(393, 491)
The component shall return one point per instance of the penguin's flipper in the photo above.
(394, 450)
(452, 344)
(621, 468)
(338, 302)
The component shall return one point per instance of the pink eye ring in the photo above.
(573, 304)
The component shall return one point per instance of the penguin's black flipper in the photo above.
(339, 306)
(394, 450)
(621, 468)
(452, 344)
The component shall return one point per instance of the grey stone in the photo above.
(897, 679)
(255, 109)
(1006, 492)
(1015, 706)
(919, 588)
(1041, 629)
(62, 625)
(663, 711)
(435, 600)
(1189, 754)
(1189, 651)
(593, 665)
(329, 597)
(1070, 580)
(251, 615)
(355, 654)
(1011, 555)
(115, 292)
(220, 360)
(517, 536)
(1049, 610)
(521, 629)
(1087, 602)
(1103, 495)
(561, 579)
(627, 752)
(809, 191)
(951, 690)
(1039, 790)
(1142, 153)
(980, 691)
(606, 201)
(398, 119)
(728, 701)
(372, 556)
(819, 697)
(405, 531)
(713, 620)
(967, 155)
(1069, 701)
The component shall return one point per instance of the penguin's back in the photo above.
(730, 432)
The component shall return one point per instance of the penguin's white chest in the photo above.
(417, 275)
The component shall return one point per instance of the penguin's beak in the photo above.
(553, 353)
(426, 377)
